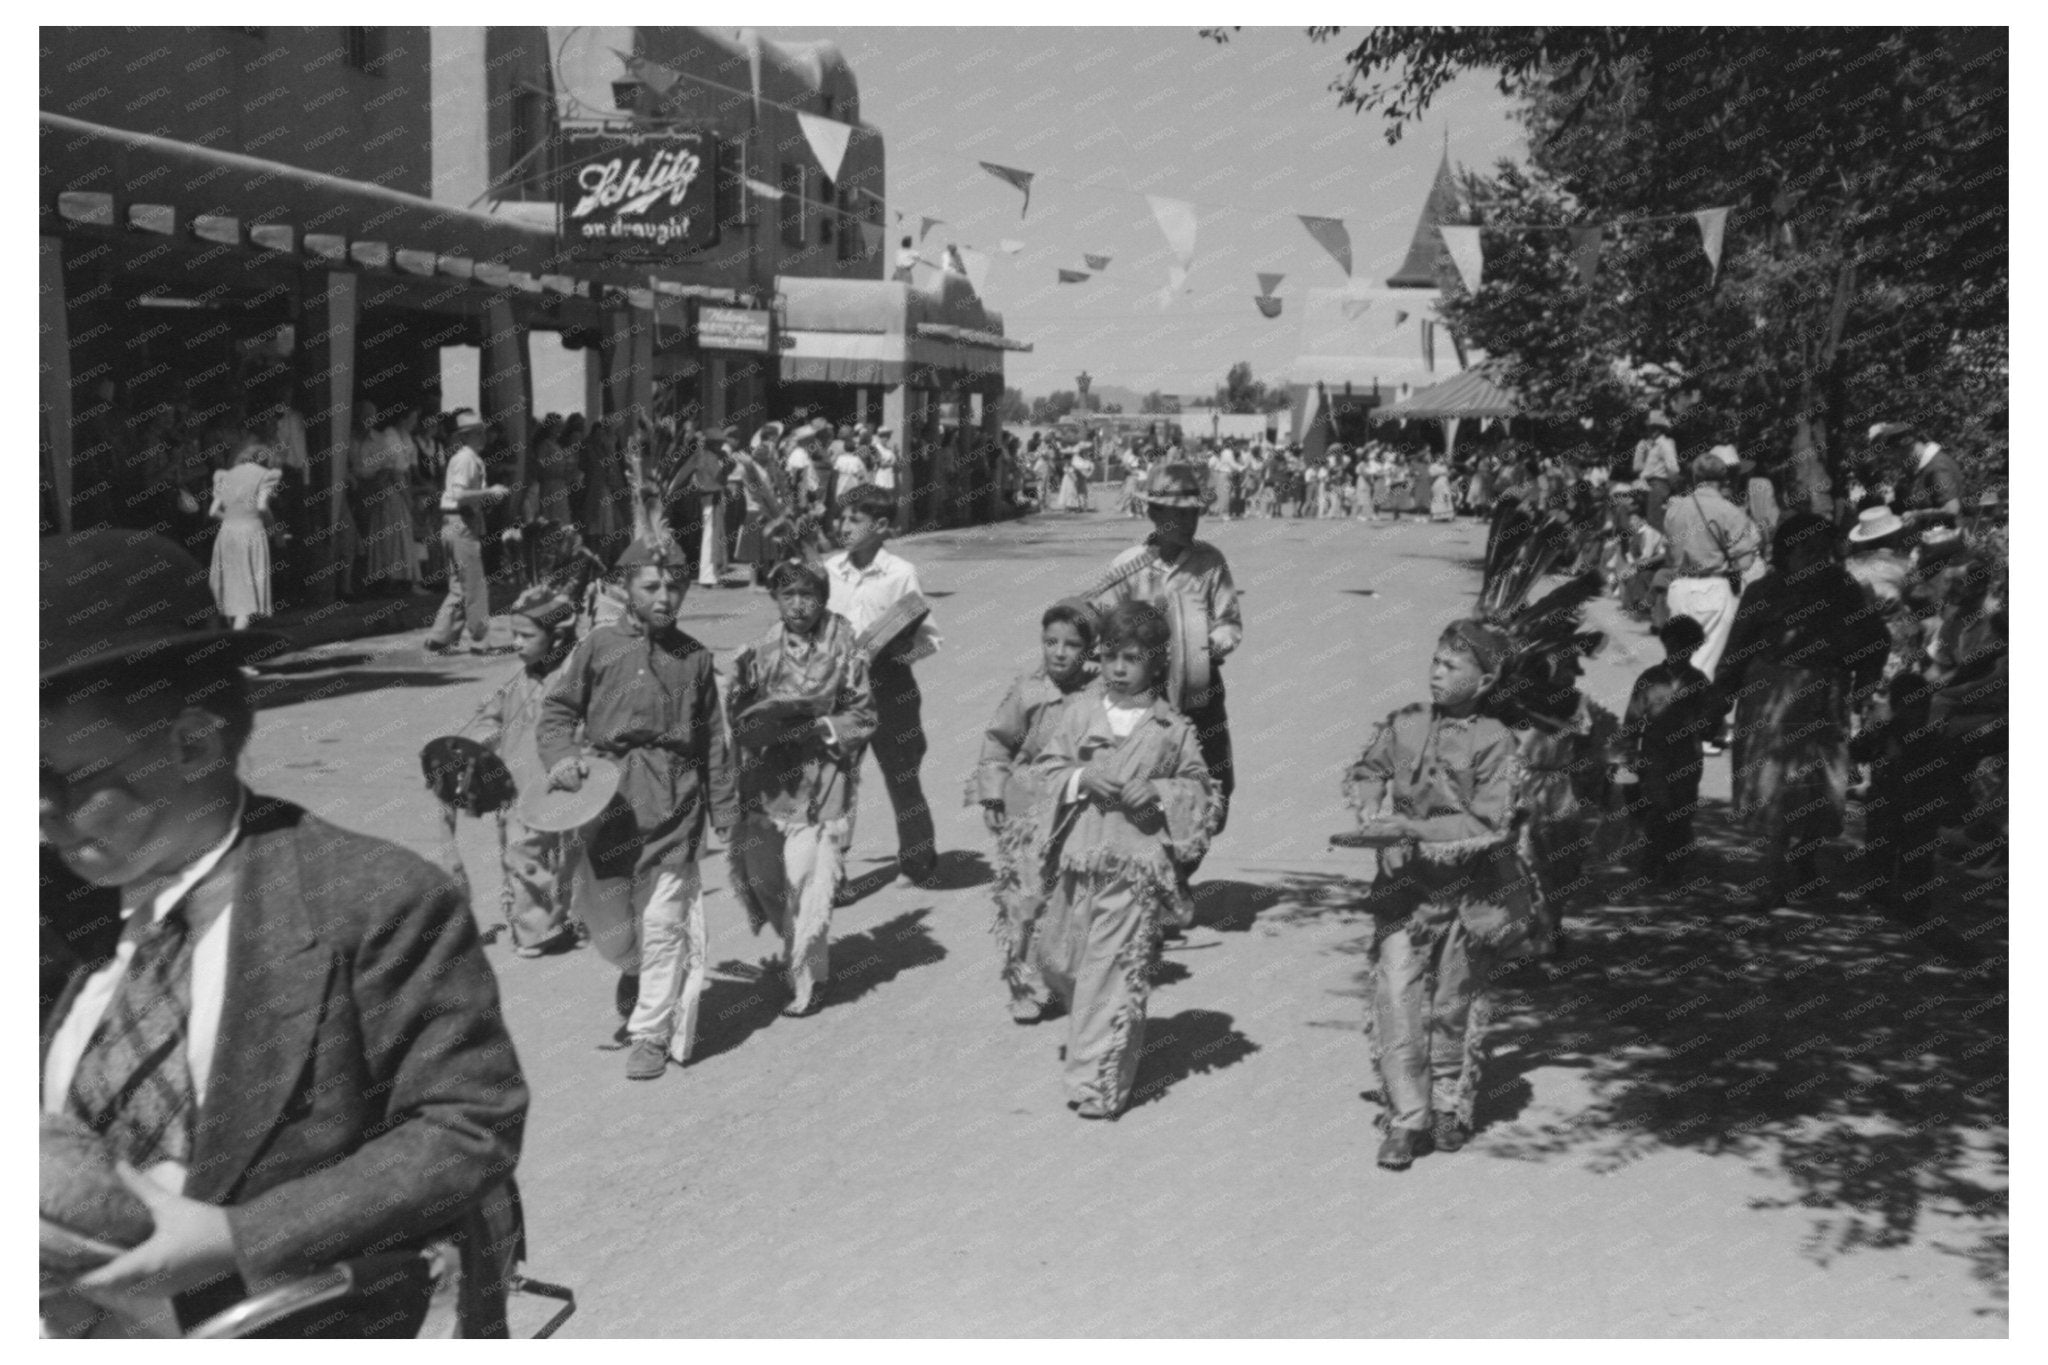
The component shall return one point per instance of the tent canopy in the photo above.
(1477, 392)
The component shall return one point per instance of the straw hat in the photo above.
(1875, 523)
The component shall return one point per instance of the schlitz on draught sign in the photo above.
(637, 193)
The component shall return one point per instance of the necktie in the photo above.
(134, 1083)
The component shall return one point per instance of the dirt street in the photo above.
(1683, 1127)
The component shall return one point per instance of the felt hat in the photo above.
(1875, 523)
(111, 597)
(1890, 431)
(465, 419)
(1710, 467)
(1173, 485)
(1658, 419)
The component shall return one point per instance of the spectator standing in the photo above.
(240, 576)
(1656, 466)
(1713, 548)
(464, 496)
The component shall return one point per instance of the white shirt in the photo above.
(852, 473)
(465, 475)
(208, 929)
(885, 464)
(1122, 720)
(863, 596)
(802, 473)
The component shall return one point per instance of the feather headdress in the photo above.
(1538, 678)
(654, 544)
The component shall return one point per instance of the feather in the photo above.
(643, 482)
(1504, 534)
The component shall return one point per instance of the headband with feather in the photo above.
(654, 545)
(1537, 684)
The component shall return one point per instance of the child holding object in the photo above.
(1129, 796)
(1435, 792)
(1008, 787)
(802, 714)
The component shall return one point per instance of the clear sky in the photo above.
(1249, 130)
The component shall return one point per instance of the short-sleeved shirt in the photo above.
(1708, 536)
(465, 475)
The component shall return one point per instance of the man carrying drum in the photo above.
(1189, 580)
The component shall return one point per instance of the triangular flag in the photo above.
(828, 139)
(974, 265)
(656, 77)
(1268, 305)
(1463, 244)
(952, 262)
(1177, 220)
(1021, 179)
(1586, 253)
(871, 238)
(1095, 262)
(1073, 276)
(1333, 236)
(899, 215)
(1011, 245)
(1400, 316)
(1269, 282)
(1712, 222)
(926, 226)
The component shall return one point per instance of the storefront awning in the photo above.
(875, 332)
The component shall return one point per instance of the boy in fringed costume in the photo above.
(536, 863)
(802, 715)
(644, 694)
(1127, 797)
(1009, 788)
(1436, 792)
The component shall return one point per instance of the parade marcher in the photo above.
(1008, 786)
(464, 496)
(1802, 646)
(1130, 802)
(644, 695)
(879, 595)
(1434, 791)
(1656, 467)
(538, 865)
(292, 1035)
(802, 716)
(1673, 710)
(1172, 562)
(1713, 549)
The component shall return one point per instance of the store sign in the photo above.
(733, 329)
(637, 195)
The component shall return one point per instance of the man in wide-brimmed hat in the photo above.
(1931, 482)
(1172, 562)
(464, 495)
(1656, 465)
(292, 1037)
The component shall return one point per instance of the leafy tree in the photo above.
(1015, 410)
(1052, 408)
(1863, 274)
(1240, 392)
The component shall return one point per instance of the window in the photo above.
(792, 204)
(852, 242)
(827, 219)
(730, 185)
(529, 136)
(366, 48)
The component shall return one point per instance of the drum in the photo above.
(1189, 673)
(465, 775)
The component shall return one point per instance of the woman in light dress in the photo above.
(385, 469)
(240, 576)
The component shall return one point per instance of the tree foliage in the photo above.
(1864, 271)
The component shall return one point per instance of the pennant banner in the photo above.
(1011, 246)
(1463, 244)
(1011, 175)
(1400, 316)
(828, 139)
(925, 226)
(1176, 279)
(1177, 220)
(1095, 262)
(1712, 223)
(974, 265)
(1268, 283)
(1268, 305)
(1332, 236)
(1586, 253)
(1073, 276)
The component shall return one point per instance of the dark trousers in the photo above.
(1663, 811)
(899, 747)
(1656, 493)
(1212, 737)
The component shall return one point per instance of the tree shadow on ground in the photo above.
(1836, 1048)
(866, 961)
(1191, 1043)
(269, 693)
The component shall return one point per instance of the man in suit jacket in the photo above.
(345, 1083)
